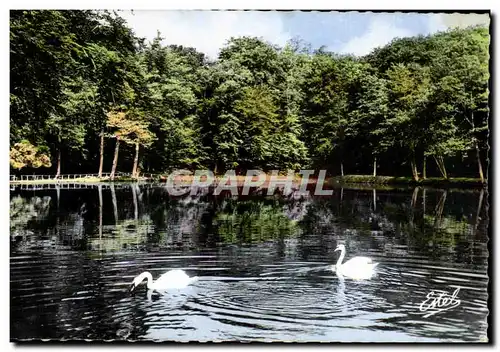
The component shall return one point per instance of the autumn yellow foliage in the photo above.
(25, 154)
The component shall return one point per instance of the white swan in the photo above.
(358, 268)
(170, 280)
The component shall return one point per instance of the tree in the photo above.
(260, 58)
(67, 126)
(170, 101)
(266, 140)
(120, 125)
(110, 72)
(58, 53)
(25, 154)
(464, 68)
(138, 134)
(368, 114)
(410, 88)
(458, 74)
(223, 85)
(42, 50)
(326, 106)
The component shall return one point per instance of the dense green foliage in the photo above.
(255, 106)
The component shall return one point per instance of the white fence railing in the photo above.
(104, 175)
(61, 186)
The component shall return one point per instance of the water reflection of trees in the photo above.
(122, 232)
(24, 210)
(441, 223)
(250, 220)
(25, 215)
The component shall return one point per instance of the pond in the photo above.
(264, 264)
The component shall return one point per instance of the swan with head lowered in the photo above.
(358, 268)
(173, 279)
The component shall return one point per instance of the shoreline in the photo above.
(366, 180)
(463, 182)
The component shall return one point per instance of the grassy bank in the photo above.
(394, 180)
(366, 180)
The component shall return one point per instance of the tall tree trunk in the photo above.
(444, 168)
(414, 170)
(438, 165)
(478, 155)
(374, 166)
(424, 168)
(441, 166)
(445, 174)
(476, 146)
(342, 168)
(115, 159)
(136, 161)
(101, 154)
(58, 172)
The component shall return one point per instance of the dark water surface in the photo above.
(263, 262)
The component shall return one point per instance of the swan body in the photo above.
(358, 268)
(170, 280)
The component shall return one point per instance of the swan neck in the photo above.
(341, 258)
(149, 278)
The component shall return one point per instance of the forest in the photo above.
(88, 96)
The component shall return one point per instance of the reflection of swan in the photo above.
(358, 268)
(341, 292)
(171, 279)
